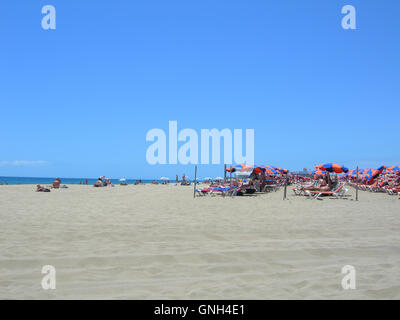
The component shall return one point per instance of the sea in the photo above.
(91, 181)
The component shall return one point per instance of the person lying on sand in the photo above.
(40, 188)
(98, 183)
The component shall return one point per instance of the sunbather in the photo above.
(40, 188)
(56, 183)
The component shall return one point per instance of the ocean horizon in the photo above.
(47, 180)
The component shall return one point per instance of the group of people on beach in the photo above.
(388, 183)
(183, 182)
(103, 182)
(322, 184)
(379, 180)
(259, 181)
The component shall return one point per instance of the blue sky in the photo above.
(78, 101)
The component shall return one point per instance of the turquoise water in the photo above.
(30, 180)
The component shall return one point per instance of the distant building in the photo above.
(242, 174)
(303, 173)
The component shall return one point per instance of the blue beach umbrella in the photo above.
(333, 167)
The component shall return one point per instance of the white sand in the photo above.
(156, 242)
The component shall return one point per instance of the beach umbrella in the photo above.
(219, 178)
(393, 170)
(207, 178)
(122, 180)
(234, 168)
(375, 173)
(283, 171)
(280, 170)
(353, 172)
(368, 172)
(164, 178)
(332, 167)
(317, 173)
(259, 170)
(362, 171)
(270, 170)
(239, 167)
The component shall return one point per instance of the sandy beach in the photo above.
(157, 242)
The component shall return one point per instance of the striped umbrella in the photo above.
(239, 167)
(375, 173)
(393, 170)
(284, 171)
(362, 171)
(332, 167)
(317, 173)
(270, 170)
(353, 172)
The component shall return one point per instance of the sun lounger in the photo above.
(299, 191)
(270, 187)
(339, 192)
(213, 191)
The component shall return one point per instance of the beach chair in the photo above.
(203, 192)
(211, 191)
(270, 188)
(229, 191)
(299, 190)
(392, 190)
(339, 192)
(214, 191)
(223, 191)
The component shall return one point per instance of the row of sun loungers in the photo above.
(213, 191)
(337, 192)
(234, 190)
(391, 190)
